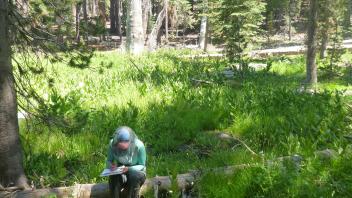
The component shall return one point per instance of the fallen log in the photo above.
(203, 56)
(162, 182)
(327, 154)
(197, 82)
(158, 183)
(292, 50)
(59, 192)
(100, 190)
(225, 136)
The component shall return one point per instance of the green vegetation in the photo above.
(287, 119)
(239, 22)
(175, 116)
(315, 179)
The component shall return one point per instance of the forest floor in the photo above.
(176, 104)
(277, 45)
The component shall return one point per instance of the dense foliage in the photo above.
(173, 115)
(240, 21)
(178, 101)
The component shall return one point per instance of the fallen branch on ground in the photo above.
(85, 190)
(227, 136)
(292, 50)
(198, 82)
(159, 183)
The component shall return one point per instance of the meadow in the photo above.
(161, 97)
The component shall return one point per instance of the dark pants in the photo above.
(130, 189)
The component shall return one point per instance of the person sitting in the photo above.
(125, 149)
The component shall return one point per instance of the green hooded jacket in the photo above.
(134, 157)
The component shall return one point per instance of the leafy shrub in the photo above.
(315, 179)
(272, 114)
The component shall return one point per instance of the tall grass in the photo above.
(156, 96)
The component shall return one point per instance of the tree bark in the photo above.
(11, 169)
(113, 16)
(203, 34)
(101, 190)
(312, 77)
(146, 6)
(85, 11)
(78, 15)
(153, 36)
(334, 50)
(324, 43)
(347, 15)
(89, 8)
(102, 15)
(85, 18)
(102, 9)
(118, 18)
(289, 21)
(135, 36)
(94, 8)
(183, 181)
(88, 190)
(203, 41)
(167, 21)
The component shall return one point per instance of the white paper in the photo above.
(108, 172)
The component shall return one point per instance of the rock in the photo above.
(327, 154)
(348, 137)
(284, 162)
(225, 136)
(228, 73)
(257, 65)
(347, 93)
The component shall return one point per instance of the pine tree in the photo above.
(135, 35)
(239, 21)
(312, 77)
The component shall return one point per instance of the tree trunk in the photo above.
(85, 18)
(290, 20)
(334, 49)
(78, 15)
(135, 36)
(146, 6)
(270, 25)
(203, 33)
(289, 28)
(102, 10)
(100, 190)
(153, 36)
(347, 15)
(118, 18)
(160, 183)
(312, 44)
(11, 169)
(89, 8)
(167, 21)
(113, 16)
(94, 8)
(85, 12)
(102, 15)
(324, 43)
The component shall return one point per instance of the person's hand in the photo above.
(125, 169)
(113, 167)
